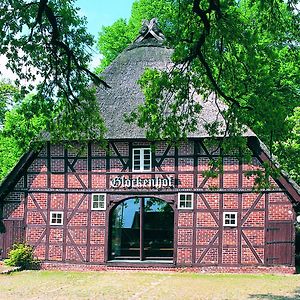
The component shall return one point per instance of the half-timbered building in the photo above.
(135, 206)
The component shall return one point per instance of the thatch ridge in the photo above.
(125, 95)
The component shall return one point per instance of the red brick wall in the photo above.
(200, 237)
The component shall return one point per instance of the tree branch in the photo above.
(214, 6)
(56, 43)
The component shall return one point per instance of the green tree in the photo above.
(245, 53)
(47, 38)
(10, 152)
(8, 96)
(35, 119)
(115, 38)
(288, 151)
(46, 41)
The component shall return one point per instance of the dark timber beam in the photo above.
(291, 188)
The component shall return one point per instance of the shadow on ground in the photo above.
(295, 296)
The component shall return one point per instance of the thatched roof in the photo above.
(125, 95)
(148, 51)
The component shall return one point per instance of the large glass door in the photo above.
(142, 228)
(125, 230)
(158, 229)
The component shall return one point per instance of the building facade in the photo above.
(139, 204)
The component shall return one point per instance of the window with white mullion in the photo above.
(230, 219)
(98, 201)
(56, 218)
(185, 200)
(141, 159)
(147, 159)
(137, 159)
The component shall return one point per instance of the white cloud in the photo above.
(4, 72)
(7, 74)
(95, 62)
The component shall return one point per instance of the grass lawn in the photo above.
(146, 285)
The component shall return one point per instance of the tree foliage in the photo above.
(115, 38)
(288, 150)
(8, 95)
(35, 119)
(47, 38)
(46, 41)
(245, 53)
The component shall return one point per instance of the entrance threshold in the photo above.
(141, 261)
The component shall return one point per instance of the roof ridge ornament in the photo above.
(150, 29)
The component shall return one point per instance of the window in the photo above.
(185, 201)
(230, 219)
(98, 201)
(56, 218)
(141, 160)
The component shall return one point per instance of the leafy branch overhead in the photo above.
(46, 41)
(244, 53)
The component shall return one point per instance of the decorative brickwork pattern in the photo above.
(65, 181)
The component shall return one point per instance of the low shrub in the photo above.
(21, 255)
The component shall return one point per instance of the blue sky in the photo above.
(103, 12)
(98, 13)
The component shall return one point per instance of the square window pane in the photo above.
(98, 201)
(230, 219)
(56, 218)
(186, 200)
(182, 204)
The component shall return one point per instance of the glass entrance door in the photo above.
(141, 229)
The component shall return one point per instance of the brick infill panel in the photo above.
(162, 268)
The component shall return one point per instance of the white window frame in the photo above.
(142, 160)
(62, 218)
(186, 194)
(235, 218)
(104, 199)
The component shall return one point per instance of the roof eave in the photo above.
(16, 173)
(284, 181)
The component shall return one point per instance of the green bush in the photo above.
(21, 255)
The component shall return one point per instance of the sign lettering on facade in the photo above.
(121, 182)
